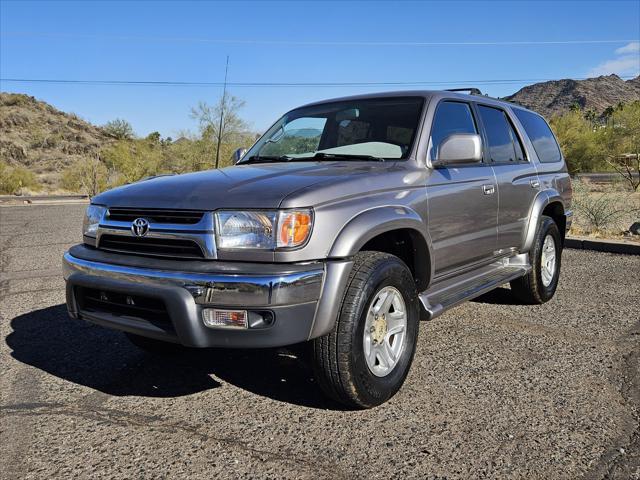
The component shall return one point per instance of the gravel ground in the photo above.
(496, 390)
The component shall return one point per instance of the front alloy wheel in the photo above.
(365, 359)
(384, 331)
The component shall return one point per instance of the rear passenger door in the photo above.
(462, 199)
(516, 175)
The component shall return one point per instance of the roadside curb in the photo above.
(14, 200)
(610, 246)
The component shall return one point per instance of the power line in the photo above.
(152, 83)
(311, 43)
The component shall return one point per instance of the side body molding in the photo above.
(543, 199)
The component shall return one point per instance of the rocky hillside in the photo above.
(558, 96)
(36, 135)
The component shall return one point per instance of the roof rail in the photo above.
(472, 90)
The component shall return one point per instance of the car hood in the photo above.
(240, 186)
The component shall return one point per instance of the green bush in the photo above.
(86, 176)
(14, 179)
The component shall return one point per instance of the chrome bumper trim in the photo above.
(215, 289)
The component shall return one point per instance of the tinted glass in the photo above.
(540, 135)
(450, 117)
(499, 135)
(379, 127)
(299, 136)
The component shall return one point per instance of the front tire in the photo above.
(365, 359)
(539, 285)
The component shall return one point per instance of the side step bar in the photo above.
(448, 293)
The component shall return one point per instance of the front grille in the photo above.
(162, 247)
(181, 217)
(151, 310)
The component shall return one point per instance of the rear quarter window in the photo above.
(540, 134)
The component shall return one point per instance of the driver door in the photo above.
(462, 198)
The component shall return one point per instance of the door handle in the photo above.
(488, 189)
(534, 183)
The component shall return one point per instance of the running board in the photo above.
(448, 293)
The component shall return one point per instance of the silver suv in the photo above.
(346, 223)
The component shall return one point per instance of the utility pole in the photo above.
(223, 103)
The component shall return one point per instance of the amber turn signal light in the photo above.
(294, 228)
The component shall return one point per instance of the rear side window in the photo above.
(540, 135)
(504, 145)
(450, 117)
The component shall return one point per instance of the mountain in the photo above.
(35, 135)
(559, 96)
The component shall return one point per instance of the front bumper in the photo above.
(302, 300)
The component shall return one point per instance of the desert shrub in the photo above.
(14, 179)
(119, 128)
(132, 160)
(88, 176)
(598, 212)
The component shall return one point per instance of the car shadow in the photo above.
(498, 296)
(106, 361)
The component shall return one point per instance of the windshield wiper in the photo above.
(337, 156)
(266, 159)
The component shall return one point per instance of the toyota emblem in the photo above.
(140, 227)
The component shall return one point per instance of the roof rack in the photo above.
(472, 90)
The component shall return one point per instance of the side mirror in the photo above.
(459, 148)
(238, 154)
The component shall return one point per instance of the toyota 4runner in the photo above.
(346, 223)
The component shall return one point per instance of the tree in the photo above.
(222, 125)
(577, 138)
(119, 128)
(132, 160)
(620, 143)
(88, 176)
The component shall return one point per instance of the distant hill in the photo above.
(36, 135)
(558, 96)
(40, 137)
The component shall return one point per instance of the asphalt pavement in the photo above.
(497, 390)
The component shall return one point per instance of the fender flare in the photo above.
(543, 199)
(375, 221)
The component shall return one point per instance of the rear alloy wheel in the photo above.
(548, 261)
(365, 359)
(539, 285)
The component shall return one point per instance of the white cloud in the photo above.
(633, 47)
(625, 64)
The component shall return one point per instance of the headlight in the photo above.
(92, 218)
(265, 230)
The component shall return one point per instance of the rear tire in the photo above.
(153, 346)
(364, 368)
(539, 285)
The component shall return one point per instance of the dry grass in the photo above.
(604, 209)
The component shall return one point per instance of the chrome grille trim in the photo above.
(157, 215)
(202, 233)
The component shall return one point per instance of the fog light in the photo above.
(213, 317)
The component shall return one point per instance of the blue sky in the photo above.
(294, 42)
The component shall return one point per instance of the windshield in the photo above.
(375, 128)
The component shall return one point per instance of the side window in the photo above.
(301, 135)
(450, 117)
(540, 135)
(504, 145)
